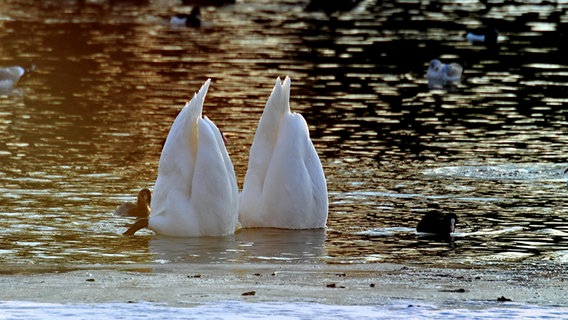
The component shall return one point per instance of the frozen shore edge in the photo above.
(182, 285)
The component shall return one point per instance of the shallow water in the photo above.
(83, 132)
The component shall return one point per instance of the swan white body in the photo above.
(445, 72)
(196, 192)
(10, 76)
(285, 185)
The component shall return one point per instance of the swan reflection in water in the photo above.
(247, 245)
(282, 244)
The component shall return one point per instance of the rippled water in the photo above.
(83, 132)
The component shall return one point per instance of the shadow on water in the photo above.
(84, 132)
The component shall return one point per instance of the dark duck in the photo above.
(438, 223)
(140, 208)
(192, 19)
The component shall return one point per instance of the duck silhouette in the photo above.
(140, 208)
(435, 222)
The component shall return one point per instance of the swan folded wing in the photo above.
(294, 194)
(308, 185)
(262, 148)
(260, 156)
(177, 161)
(215, 193)
(267, 131)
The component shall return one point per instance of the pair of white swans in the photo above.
(196, 191)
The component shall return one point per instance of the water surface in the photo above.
(83, 132)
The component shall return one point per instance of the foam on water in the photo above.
(532, 172)
(246, 310)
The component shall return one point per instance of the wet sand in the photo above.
(363, 284)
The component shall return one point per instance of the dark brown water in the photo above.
(83, 132)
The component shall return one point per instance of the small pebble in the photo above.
(372, 285)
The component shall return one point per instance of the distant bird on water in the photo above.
(332, 6)
(9, 76)
(140, 208)
(437, 223)
(192, 19)
(487, 36)
(444, 72)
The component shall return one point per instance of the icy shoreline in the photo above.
(275, 310)
(188, 285)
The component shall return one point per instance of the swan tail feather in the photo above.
(195, 113)
(285, 104)
(195, 105)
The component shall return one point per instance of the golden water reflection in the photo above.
(83, 132)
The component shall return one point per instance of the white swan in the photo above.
(285, 185)
(196, 191)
